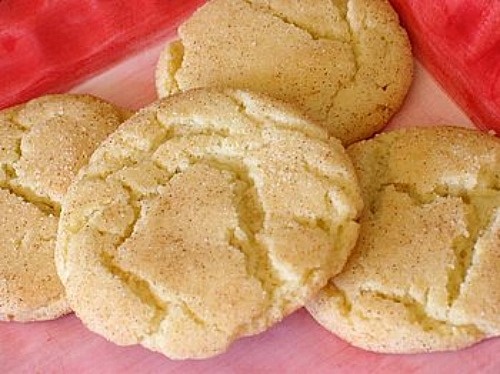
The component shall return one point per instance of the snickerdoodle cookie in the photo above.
(43, 144)
(425, 273)
(207, 216)
(347, 64)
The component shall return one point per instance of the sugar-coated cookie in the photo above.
(207, 216)
(346, 64)
(425, 273)
(43, 144)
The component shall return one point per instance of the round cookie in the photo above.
(425, 273)
(208, 216)
(346, 64)
(43, 143)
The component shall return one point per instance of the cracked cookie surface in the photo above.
(43, 144)
(425, 273)
(346, 64)
(206, 217)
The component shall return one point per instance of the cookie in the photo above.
(425, 273)
(43, 143)
(346, 64)
(208, 216)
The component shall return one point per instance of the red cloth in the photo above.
(48, 46)
(458, 41)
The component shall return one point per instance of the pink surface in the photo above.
(296, 345)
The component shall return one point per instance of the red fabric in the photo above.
(458, 41)
(48, 46)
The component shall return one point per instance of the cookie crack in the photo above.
(420, 198)
(346, 13)
(243, 239)
(251, 217)
(130, 161)
(353, 39)
(339, 179)
(195, 130)
(43, 204)
(463, 248)
(144, 292)
(479, 217)
(27, 195)
(417, 314)
(479, 204)
(268, 9)
(12, 118)
(140, 288)
(260, 124)
(340, 296)
(323, 224)
(345, 7)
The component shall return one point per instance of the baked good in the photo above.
(425, 273)
(43, 143)
(207, 216)
(346, 64)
